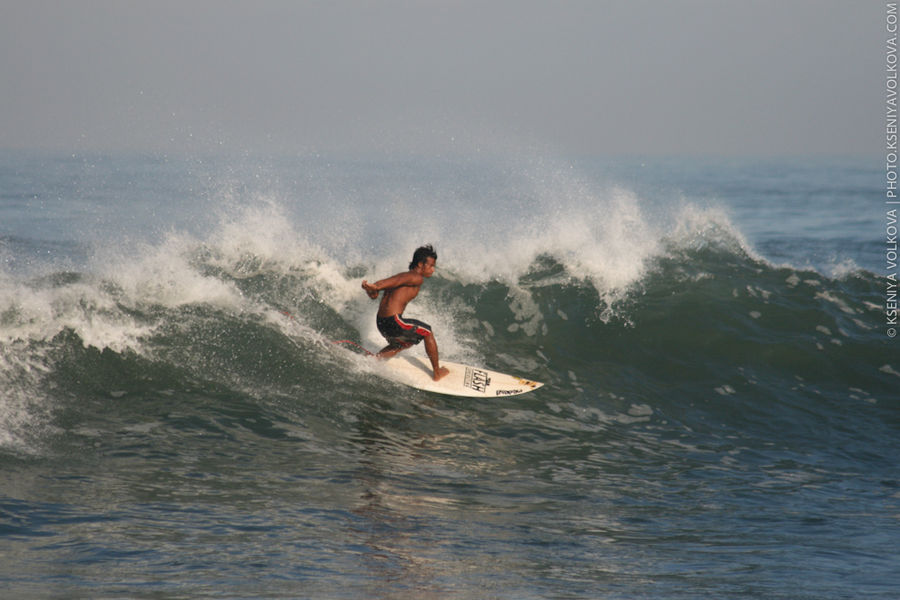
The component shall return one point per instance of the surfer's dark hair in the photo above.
(421, 254)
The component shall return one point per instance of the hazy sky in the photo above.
(593, 76)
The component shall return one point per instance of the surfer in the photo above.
(400, 332)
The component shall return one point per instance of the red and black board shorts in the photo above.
(402, 332)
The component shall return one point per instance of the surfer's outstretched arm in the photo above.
(408, 278)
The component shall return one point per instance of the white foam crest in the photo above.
(40, 313)
(31, 316)
(603, 238)
(95, 307)
(165, 275)
(608, 243)
(258, 238)
(607, 236)
(697, 227)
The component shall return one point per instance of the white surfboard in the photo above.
(463, 380)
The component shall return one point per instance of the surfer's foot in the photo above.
(441, 373)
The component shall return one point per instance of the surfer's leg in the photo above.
(431, 350)
(392, 349)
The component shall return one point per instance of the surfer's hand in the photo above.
(370, 289)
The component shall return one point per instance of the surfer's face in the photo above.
(426, 269)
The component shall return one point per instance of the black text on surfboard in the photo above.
(476, 379)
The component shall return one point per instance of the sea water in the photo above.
(720, 416)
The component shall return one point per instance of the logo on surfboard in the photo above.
(476, 379)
